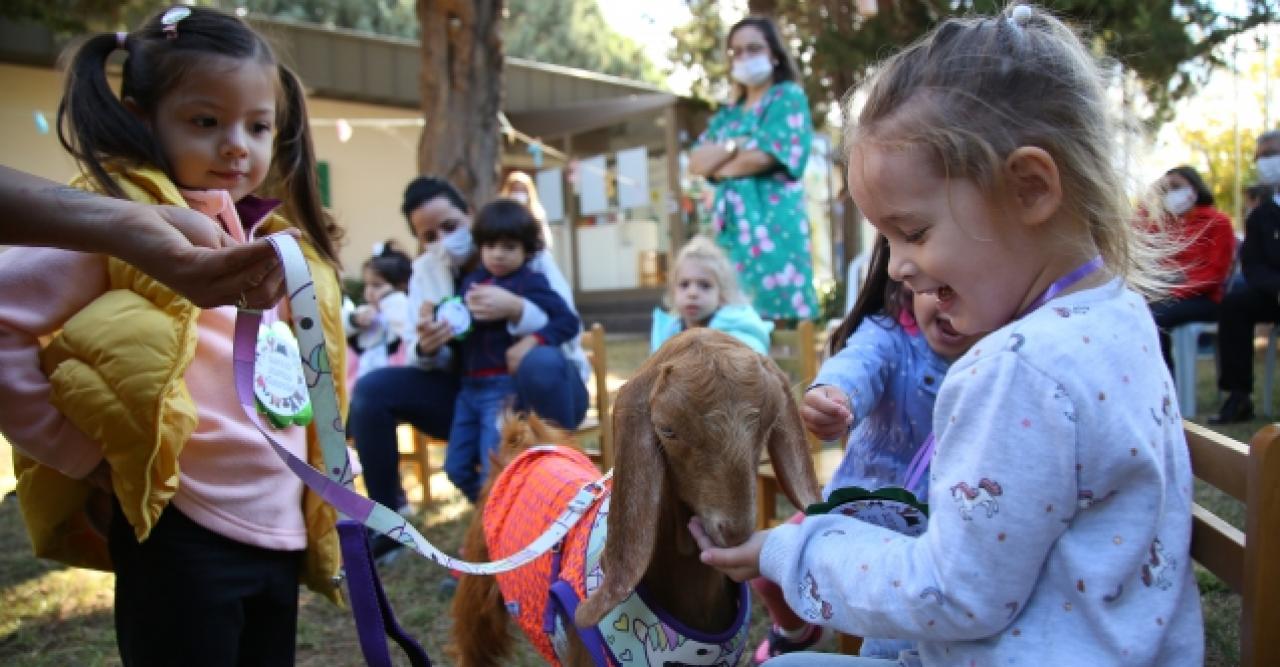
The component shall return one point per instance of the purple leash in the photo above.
(369, 605)
(924, 455)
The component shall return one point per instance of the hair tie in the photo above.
(169, 22)
(1020, 16)
(120, 40)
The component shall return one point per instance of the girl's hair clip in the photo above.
(1020, 16)
(169, 22)
(121, 37)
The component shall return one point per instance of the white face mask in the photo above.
(521, 197)
(1269, 169)
(458, 245)
(752, 70)
(1179, 200)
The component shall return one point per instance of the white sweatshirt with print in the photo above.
(1060, 499)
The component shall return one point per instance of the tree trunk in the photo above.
(762, 7)
(461, 93)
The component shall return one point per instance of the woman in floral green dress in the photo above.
(755, 150)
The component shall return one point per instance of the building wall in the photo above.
(367, 173)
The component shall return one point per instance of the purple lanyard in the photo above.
(924, 455)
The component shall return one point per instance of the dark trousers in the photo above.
(386, 398)
(1241, 310)
(1176, 312)
(546, 384)
(188, 596)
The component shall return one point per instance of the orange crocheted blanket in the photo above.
(526, 498)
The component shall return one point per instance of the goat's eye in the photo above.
(666, 432)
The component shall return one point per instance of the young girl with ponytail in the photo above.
(137, 456)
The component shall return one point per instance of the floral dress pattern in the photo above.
(760, 220)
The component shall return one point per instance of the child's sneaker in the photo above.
(776, 643)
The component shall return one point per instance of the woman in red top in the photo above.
(1208, 244)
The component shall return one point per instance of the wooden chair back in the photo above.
(1248, 561)
(796, 353)
(598, 421)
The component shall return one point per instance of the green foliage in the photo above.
(69, 17)
(1169, 44)
(573, 33)
(397, 18)
(699, 48)
(1212, 143)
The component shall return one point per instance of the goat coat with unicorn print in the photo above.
(1060, 509)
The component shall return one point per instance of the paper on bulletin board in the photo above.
(633, 178)
(550, 184)
(594, 198)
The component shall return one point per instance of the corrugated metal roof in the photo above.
(350, 65)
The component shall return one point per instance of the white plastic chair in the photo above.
(1186, 342)
(856, 276)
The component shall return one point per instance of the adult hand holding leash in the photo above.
(177, 246)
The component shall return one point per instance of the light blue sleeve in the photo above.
(742, 322)
(665, 325)
(862, 369)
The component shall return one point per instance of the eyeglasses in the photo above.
(748, 50)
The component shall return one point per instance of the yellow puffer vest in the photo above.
(116, 370)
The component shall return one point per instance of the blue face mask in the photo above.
(1269, 169)
(752, 70)
(458, 246)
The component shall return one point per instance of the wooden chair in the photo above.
(415, 452)
(795, 351)
(1249, 561)
(596, 424)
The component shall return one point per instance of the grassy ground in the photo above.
(52, 615)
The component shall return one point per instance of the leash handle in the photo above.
(369, 604)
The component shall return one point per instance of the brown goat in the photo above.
(690, 431)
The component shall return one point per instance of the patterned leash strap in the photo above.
(334, 484)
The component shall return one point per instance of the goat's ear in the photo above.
(636, 498)
(788, 449)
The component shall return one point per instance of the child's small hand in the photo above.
(490, 303)
(827, 412)
(739, 563)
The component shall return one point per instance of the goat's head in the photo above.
(690, 429)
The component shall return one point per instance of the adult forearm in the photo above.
(37, 211)
(746, 163)
(707, 158)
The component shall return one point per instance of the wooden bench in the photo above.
(1249, 561)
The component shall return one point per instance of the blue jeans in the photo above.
(475, 431)
(546, 383)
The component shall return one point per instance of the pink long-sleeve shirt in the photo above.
(230, 480)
